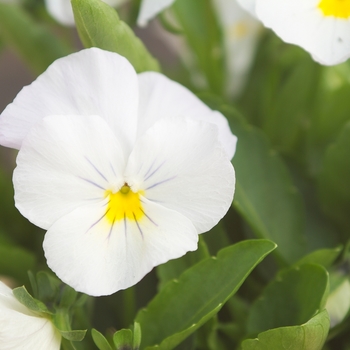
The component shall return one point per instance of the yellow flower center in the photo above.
(125, 204)
(335, 8)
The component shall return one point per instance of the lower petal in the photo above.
(98, 257)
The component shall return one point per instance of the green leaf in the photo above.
(77, 335)
(291, 299)
(324, 257)
(99, 25)
(202, 31)
(265, 194)
(32, 41)
(309, 336)
(174, 268)
(183, 305)
(100, 341)
(334, 185)
(122, 339)
(137, 336)
(22, 295)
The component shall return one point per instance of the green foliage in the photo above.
(309, 336)
(15, 261)
(265, 194)
(183, 305)
(291, 299)
(334, 185)
(27, 300)
(100, 341)
(32, 41)
(111, 33)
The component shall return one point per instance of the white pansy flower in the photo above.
(240, 32)
(320, 27)
(123, 170)
(61, 10)
(21, 328)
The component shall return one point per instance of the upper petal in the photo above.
(180, 164)
(162, 98)
(90, 82)
(150, 8)
(65, 162)
(98, 257)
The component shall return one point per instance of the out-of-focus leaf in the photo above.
(265, 194)
(99, 25)
(183, 305)
(291, 299)
(324, 257)
(16, 261)
(334, 184)
(281, 90)
(174, 268)
(308, 336)
(32, 41)
(202, 31)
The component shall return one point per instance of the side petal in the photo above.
(21, 328)
(98, 257)
(150, 9)
(90, 82)
(180, 164)
(302, 23)
(61, 11)
(65, 162)
(20, 331)
(162, 98)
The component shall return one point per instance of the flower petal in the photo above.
(97, 257)
(21, 328)
(241, 33)
(20, 331)
(150, 8)
(162, 98)
(65, 162)
(90, 82)
(302, 23)
(248, 5)
(180, 164)
(61, 11)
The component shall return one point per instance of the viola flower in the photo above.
(61, 10)
(320, 27)
(21, 328)
(122, 170)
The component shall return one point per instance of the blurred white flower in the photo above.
(21, 328)
(320, 27)
(123, 170)
(240, 32)
(61, 10)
